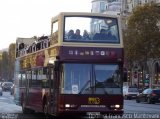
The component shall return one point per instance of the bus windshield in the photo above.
(90, 79)
(91, 29)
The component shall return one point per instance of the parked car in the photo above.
(149, 95)
(130, 92)
(1, 92)
(6, 86)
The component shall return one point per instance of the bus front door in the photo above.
(53, 90)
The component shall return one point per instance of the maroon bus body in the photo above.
(80, 103)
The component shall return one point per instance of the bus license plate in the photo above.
(93, 113)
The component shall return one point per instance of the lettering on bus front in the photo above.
(94, 100)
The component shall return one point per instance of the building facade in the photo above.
(150, 78)
(122, 6)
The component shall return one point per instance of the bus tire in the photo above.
(45, 109)
(24, 109)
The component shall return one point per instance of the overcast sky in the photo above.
(27, 18)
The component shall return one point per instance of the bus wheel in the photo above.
(24, 109)
(45, 110)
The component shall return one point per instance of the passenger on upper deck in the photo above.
(86, 35)
(70, 34)
(104, 35)
(77, 35)
(43, 38)
(100, 36)
(21, 46)
(110, 36)
(43, 42)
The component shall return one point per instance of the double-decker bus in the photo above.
(77, 70)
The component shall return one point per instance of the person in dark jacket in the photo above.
(77, 35)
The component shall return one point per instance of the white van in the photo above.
(130, 92)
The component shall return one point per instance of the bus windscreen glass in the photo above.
(91, 29)
(90, 79)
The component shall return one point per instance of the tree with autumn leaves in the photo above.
(142, 35)
(7, 63)
(11, 62)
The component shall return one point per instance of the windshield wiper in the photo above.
(101, 85)
(86, 84)
(84, 87)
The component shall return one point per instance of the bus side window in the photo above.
(45, 78)
(23, 78)
(29, 78)
(34, 78)
(39, 77)
(54, 36)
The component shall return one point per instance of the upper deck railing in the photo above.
(39, 44)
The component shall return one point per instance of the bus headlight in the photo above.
(115, 106)
(67, 105)
(70, 106)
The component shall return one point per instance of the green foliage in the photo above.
(4, 65)
(11, 60)
(141, 38)
(7, 63)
